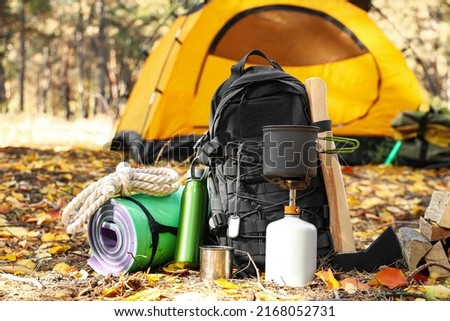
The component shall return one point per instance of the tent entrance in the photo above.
(293, 36)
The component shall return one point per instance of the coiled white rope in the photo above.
(157, 181)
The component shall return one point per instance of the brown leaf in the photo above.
(352, 284)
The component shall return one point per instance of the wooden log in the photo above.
(437, 254)
(340, 224)
(414, 246)
(431, 231)
(439, 210)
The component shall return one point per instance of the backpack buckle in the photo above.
(217, 222)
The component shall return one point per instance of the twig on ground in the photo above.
(35, 282)
(15, 268)
(404, 293)
(427, 265)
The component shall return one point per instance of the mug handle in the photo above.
(353, 145)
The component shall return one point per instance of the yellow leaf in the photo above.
(38, 164)
(50, 188)
(352, 201)
(26, 262)
(154, 277)
(43, 217)
(4, 208)
(2, 196)
(171, 278)
(434, 292)
(68, 177)
(146, 295)
(14, 231)
(232, 291)
(39, 255)
(82, 274)
(18, 167)
(370, 202)
(111, 292)
(33, 234)
(267, 297)
(225, 284)
(60, 294)
(62, 237)
(328, 278)
(59, 249)
(64, 269)
(50, 197)
(9, 257)
(175, 268)
(11, 200)
(48, 237)
(18, 196)
(23, 243)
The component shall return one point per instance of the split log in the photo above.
(341, 229)
(431, 231)
(437, 254)
(439, 210)
(414, 246)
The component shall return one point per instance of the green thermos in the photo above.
(193, 210)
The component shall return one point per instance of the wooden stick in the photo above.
(340, 224)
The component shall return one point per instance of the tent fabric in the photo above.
(367, 78)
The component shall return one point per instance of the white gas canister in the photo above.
(291, 251)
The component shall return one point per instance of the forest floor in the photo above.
(40, 261)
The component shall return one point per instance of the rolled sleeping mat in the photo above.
(128, 234)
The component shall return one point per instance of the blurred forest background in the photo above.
(74, 60)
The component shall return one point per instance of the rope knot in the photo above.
(124, 175)
(151, 181)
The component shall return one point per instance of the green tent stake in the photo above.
(393, 153)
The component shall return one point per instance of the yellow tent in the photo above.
(367, 78)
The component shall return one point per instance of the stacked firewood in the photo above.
(430, 244)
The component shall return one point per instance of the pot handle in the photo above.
(350, 145)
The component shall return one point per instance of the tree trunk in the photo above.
(45, 80)
(102, 59)
(81, 64)
(22, 58)
(66, 90)
(114, 82)
(3, 32)
(3, 102)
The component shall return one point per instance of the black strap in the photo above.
(251, 227)
(324, 125)
(238, 68)
(423, 121)
(155, 227)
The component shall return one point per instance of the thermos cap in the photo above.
(196, 173)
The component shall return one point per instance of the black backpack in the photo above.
(242, 201)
